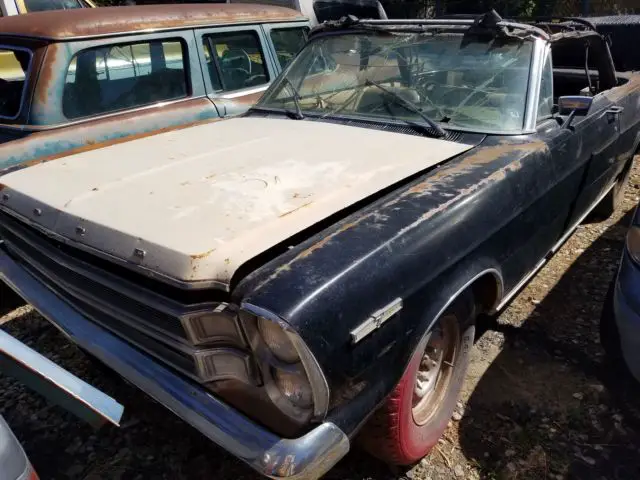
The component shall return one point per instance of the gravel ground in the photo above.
(539, 402)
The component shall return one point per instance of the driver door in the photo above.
(236, 66)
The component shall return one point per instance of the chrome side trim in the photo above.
(515, 290)
(306, 457)
(375, 321)
(533, 91)
(520, 284)
(564, 238)
(46, 377)
(243, 92)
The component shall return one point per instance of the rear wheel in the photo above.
(412, 419)
(614, 198)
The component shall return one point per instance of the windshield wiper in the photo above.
(296, 99)
(409, 106)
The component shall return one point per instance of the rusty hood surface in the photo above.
(196, 204)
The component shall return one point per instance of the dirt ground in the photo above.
(538, 403)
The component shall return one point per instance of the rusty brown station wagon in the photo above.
(74, 78)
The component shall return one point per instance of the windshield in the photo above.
(453, 80)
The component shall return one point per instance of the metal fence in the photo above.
(431, 8)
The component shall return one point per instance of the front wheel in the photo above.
(415, 415)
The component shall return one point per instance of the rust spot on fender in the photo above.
(488, 154)
(308, 251)
(478, 156)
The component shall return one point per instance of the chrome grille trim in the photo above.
(149, 321)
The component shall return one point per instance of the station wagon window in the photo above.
(119, 77)
(44, 5)
(14, 65)
(545, 99)
(235, 60)
(288, 42)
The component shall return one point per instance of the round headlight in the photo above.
(295, 387)
(278, 341)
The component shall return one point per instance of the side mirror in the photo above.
(573, 106)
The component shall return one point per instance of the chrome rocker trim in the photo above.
(307, 457)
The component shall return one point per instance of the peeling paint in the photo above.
(94, 22)
(475, 157)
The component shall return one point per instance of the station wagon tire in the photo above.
(407, 425)
(613, 199)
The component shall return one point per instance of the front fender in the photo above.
(421, 243)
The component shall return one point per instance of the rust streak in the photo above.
(92, 22)
(198, 256)
(295, 209)
(485, 156)
(93, 145)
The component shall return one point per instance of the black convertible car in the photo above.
(313, 269)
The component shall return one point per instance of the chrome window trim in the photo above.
(27, 77)
(533, 90)
(82, 120)
(545, 56)
(242, 92)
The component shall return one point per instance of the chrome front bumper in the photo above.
(307, 457)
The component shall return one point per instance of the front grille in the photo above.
(142, 317)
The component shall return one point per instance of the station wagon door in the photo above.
(236, 65)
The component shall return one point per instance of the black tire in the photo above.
(609, 204)
(399, 432)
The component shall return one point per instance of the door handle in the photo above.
(613, 113)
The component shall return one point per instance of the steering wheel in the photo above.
(235, 57)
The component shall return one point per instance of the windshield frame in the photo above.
(530, 100)
(27, 79)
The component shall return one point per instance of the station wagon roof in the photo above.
(108, 21)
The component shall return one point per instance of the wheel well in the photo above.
(487, 291)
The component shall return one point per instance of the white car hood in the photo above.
(195, 204)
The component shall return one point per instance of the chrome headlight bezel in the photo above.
(307, 365)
